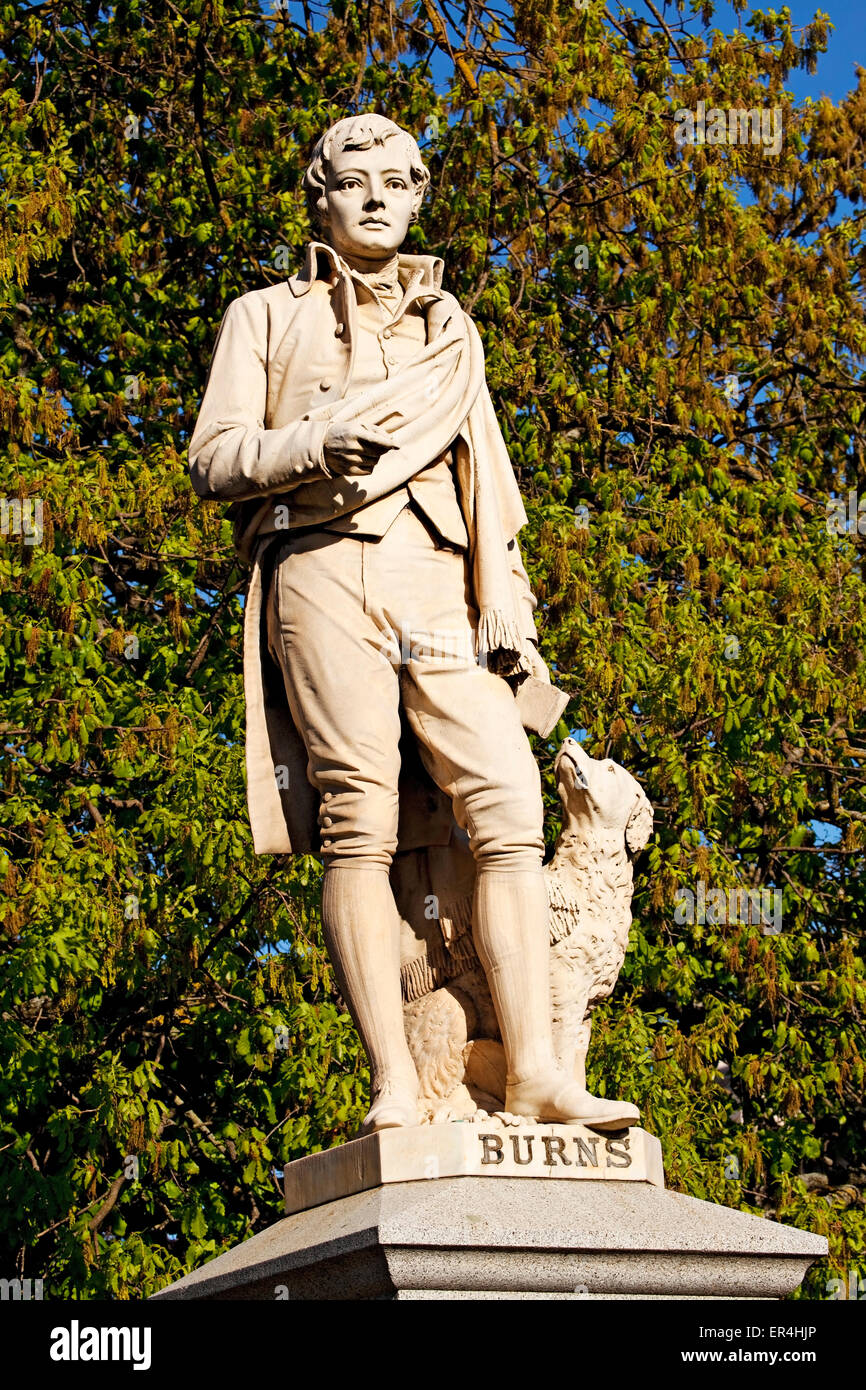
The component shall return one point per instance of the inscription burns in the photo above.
(554, 1150)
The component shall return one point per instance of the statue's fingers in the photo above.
(373, 452)
(375, 435)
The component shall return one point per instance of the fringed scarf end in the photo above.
(499, 644)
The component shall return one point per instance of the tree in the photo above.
(674, 336)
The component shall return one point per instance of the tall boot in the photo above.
(512, 937)
(362, 933)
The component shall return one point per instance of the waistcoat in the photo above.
(392, 326)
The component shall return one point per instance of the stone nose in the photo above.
(376, 195)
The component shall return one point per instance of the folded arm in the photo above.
(231, 454)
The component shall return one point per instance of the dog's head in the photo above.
(599, 793)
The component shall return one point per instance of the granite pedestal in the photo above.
(468, 1212)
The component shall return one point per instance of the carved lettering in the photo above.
(492, 1144)
(554, 1144)
(515, 1144)
(583, 1148)
(621, 1152)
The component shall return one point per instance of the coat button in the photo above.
(325, 844)
(386, 332)
(324, 385)
(327, 796)
(327, 822)
(339, 330)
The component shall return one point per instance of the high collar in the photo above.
(321, 262)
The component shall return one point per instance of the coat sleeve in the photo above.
(231, 454)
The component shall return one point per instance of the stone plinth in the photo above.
(560, 1152)
(438, 1213)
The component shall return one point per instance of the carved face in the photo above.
(598, 791)
(370, 197)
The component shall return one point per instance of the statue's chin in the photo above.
(370, 243)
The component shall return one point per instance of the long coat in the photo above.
(280, 352)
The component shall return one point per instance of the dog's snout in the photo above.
(572, 753)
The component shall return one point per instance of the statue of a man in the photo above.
(348, 419)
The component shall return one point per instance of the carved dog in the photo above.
(450, 1022)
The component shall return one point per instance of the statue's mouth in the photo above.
(572, 754)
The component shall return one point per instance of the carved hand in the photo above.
(351, 449)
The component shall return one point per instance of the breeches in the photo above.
(363, 627)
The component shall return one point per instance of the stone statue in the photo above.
(390, 657)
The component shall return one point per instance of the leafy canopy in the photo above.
(675, 341)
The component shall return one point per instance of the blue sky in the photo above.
(835, 73)
(846, 43)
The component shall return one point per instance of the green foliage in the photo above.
(165, 994)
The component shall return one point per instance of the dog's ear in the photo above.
(640, 825)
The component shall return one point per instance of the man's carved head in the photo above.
(365, 184)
